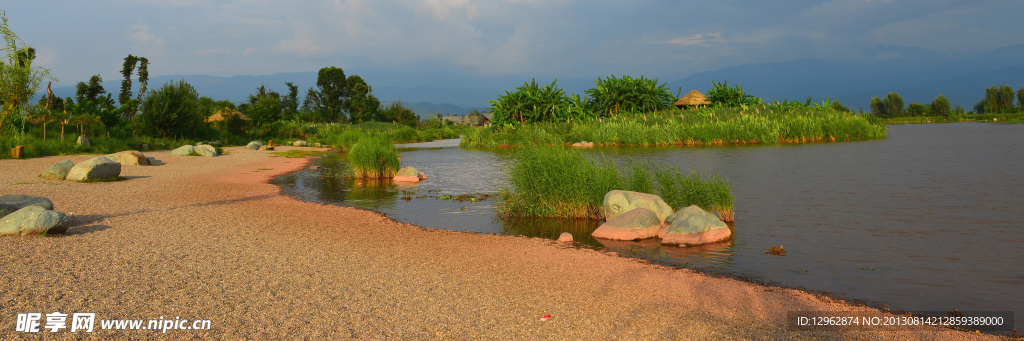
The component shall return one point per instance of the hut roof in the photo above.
(221, 115)
(693, 98)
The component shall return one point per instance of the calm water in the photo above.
(931, 218)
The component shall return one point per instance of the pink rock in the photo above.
(709, 236)
(406, 179)
(422, 176)
(639, 223)
(565, 237)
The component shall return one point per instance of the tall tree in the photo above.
(333, 92)
(940, 106)
(290, 103)
(89, 91)
(126, 84)
(173, 108)
(19, 80)
(362, 105)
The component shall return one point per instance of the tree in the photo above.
(333, 92)
(126, 84)
(893, 104)
(397, 113)
(19, 80)
(264, 107)
(89, 91)
(290, 103)
(171, 109)
(916, 110)
(1020, 98)
(312, 108)
(876, 107)
(361, 105)
(940, 106)
(839, 107)
(997, 99)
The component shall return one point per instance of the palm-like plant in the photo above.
(627, 94)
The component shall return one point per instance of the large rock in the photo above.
(694, 226)
(13, 202)
(33, 220)
(638, 223)
(153, 161)
(254, 145)
(299, 143)
(83, 141)
(618, 202)
(97, 168)
(206, 150)
(130, 157)
(58, 171)
(185, 150)
(409, 174)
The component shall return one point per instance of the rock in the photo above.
(58, 171)
(185, 150)
(618, 202)
(638, 223)
(254, 145)
(408, 174)
(129, 157)
(96, 168)
(206, 150)
(13, 202)
(317, 145)
(33, 220)
(83, 141)
(153, 161)
(421, 176)
(693, 226)
(583, 144)
(565, 237)
(268, 147)
(299, 143)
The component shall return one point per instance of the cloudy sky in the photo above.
(532, 38)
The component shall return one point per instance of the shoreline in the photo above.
(232, 248)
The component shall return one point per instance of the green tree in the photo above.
(126, 84)
(1020, 98)
(397, 113)
(916, 110)
(264, 107)
(839, 107)
(19, 80)
(290, 102)
(877, 108)
(89, 91)
(362, 105)
(940, 106)
(893, 104)
(332, 93)
(171, 109)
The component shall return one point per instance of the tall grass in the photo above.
(563, 182)
(761, 124)
(373, 157)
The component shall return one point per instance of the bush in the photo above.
(373, 157)
(638, 95)
(173, 109)
(940, 106)
(531, 103)
(916, 110)
(891, 106)
(723, 96)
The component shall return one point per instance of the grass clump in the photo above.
(563, 182)
(297, 153)
(373, 158)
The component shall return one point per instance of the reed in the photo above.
(373, 158)
(563, 182)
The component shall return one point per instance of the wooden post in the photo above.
(17, 152)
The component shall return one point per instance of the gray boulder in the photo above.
(254, 145)
(638, 223)
(58, 171)
(130, 157)
(153, 161)
(694, 226)
(13, 202)
(33, 220)
(83, 141)
(96, 168)
(618, 202)
(185, 150)
(206, 150)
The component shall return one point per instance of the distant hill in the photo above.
(918, 76)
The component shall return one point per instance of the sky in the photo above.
(529, 38)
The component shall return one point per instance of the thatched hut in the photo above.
(224, 114)
(694, 98)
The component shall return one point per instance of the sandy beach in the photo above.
(209, 239)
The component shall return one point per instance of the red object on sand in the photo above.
(545, 317)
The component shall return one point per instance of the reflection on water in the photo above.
(931, 218)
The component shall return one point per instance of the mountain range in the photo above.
(917, 74)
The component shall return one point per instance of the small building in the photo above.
(692, 99)
(225, 113)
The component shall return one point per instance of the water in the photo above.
(930, 219)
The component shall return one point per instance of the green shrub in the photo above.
(613, 95)
(532, 103)
(723, 96)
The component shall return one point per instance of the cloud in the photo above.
(249, 51)
(213, 52)
(695, 40)
(176, 3)
(145, 43)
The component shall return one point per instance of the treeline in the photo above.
(998, 99)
